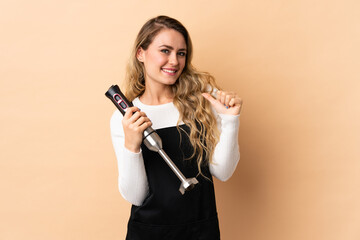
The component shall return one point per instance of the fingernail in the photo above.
(227, 107)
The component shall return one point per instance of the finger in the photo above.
(221, 97)
(235, 100)
(209, 98)
(228, 98)
(130, 111)
(141, 124)
(136, 116)
(218, 95)
(145, 125)
(232, 102)
(216, 104)
(141, 120)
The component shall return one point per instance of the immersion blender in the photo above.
(151, 139)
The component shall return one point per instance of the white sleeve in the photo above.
(226, 154)
(132, 180)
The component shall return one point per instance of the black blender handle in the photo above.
(118, 98)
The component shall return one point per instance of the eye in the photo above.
(165, 51)
(183, 54)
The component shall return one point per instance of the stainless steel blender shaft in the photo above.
(153, 142)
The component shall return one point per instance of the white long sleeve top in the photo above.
(132, 180)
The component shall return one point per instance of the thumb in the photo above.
(209, 98)
(215, 103)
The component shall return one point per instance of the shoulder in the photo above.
(115, 122)
(116, 117)
(162, 116)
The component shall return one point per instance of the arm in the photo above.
(227, 108)
(226, 154)
(132, 180)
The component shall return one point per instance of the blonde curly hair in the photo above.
(195, 111)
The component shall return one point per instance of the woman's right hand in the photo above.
(134, 123)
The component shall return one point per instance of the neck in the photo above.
(157, 95)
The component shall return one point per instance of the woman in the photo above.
(199, 133)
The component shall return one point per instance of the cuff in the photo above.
(131, 155)
(230, 122)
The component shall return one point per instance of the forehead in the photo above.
(169, 37)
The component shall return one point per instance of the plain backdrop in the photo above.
(295, 64)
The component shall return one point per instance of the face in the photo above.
(164, 59)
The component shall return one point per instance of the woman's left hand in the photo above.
(225, 102)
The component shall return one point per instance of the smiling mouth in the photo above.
(171, 71)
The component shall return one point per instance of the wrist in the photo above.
(132, 148)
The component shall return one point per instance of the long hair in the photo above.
(195, 111)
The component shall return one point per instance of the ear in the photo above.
(140, 54)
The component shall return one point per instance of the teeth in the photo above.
(169, 71)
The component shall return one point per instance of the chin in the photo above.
(170, 82)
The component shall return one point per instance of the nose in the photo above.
(173, 59)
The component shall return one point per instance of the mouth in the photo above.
(169, 71)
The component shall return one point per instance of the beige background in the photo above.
(295, 64)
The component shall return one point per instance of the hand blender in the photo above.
(151, 139)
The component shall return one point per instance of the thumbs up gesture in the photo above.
(225, 102)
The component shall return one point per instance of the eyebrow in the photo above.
(170, 47)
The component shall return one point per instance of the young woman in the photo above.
(199, 133)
